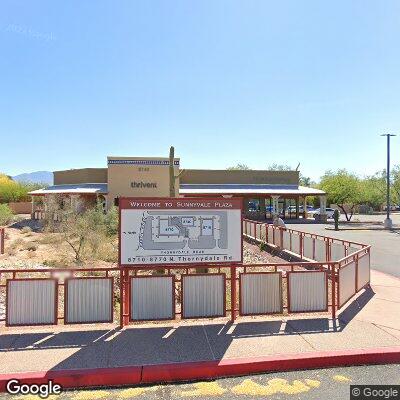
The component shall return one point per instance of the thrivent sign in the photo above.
(143, 185)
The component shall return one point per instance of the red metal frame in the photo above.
(313, 235)
(67, 280)
(183, 276)
(33, 279)
(241, 313)
(288, 291)
(330, 268)
(173, 297)
(239, 207)
(2, 239)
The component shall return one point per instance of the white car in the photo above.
(329, 212)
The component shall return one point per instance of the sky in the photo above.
(225, 82)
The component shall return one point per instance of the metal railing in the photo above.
(144, 293)
(334, 254)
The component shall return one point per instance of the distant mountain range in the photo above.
(35, 177)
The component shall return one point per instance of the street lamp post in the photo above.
(388, 221)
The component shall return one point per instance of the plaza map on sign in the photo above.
(180, 230)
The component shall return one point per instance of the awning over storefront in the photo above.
(79, 188)
(193, 189)
(248, 190)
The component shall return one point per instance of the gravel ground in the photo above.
(253, 255)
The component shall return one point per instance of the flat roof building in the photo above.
(264, 192)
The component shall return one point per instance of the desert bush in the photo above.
(107, 251)
(14, 246)
(6, 215)
(50, 238)
(30, 246)
(111, 221)
(88, 232)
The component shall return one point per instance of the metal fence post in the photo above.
(333, 278)
(121, 298)
(124, 297)
(233, 292)
(2, 238)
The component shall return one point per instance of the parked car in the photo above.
(329, 212)
(252, 207)
(291, 209)
(309, 209)
(393, 207)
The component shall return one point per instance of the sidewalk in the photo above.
(368, 327)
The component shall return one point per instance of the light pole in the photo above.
(388, 221)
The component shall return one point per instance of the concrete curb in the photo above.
(191, 371)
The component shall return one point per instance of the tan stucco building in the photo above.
(264, 193)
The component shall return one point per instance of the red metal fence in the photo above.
(122, 295)
(349, 261)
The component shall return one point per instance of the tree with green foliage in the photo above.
(373, 190)
(11, 190)
(6, 214)
(343, 188)
(395, 184)
(239, 167)
(279, 167)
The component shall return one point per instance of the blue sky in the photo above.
(257, 82)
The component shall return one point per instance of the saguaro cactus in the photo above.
(172, 176)
(171, 172)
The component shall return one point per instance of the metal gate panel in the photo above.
(31, 302)
(347, 282)
(270, 234)
(320, 250)
(308, 291)
(286, 240)
(88, 300)
(351, 250)
(247, 227)
(278, 238)
(203, 295)
(152, 298)
(258, 231)
(338, 251)
(260, 293)
(363, 271)
(308, 245)
(252, 230)
(295, 243)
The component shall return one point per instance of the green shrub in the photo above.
(89, 233)
(6, 214)
(11, 190)
(263, 246)
(111, 221)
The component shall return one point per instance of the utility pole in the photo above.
(388, 222)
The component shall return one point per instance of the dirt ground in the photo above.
(28, 246)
